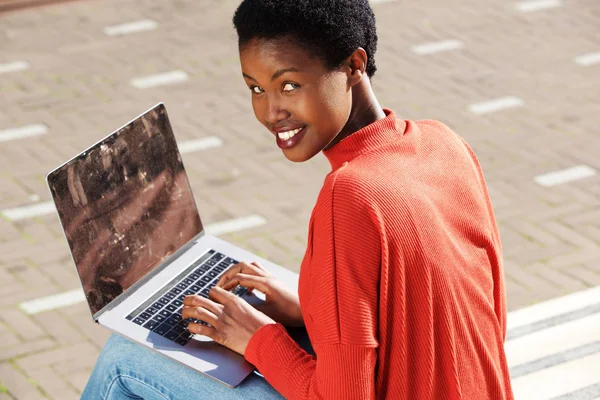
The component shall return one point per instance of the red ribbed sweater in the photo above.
(401, 286)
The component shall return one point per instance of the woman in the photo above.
(401, 288)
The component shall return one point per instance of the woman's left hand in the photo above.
(232, 320)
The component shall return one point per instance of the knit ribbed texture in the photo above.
(401, 286)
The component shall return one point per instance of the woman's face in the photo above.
(303, 103)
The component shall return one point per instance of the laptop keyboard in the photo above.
(162, 312)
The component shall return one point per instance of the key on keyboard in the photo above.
(162, 313)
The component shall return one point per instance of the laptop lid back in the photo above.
(125, 205)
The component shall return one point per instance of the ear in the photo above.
(357, 66)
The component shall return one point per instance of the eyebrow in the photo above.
(277, 73)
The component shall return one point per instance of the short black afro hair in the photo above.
(331, 29)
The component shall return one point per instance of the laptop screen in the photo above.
(125, 205)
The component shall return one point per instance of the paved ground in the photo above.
(77, 84)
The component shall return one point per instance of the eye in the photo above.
(289, 86)
(256, 89)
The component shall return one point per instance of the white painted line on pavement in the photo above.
(235, 225)
(437, 47)
(585, 60)
(30, 211)
(200, 144)
(23, 132)
(131, 27)
(553, 340)
(52, 302)
(552, 308)
(501, 103)
(381, 1)
(14, 66)
(558, 380)
(535, 5)
(159, 79)
(591, 392)
(565, 175)
(555, 359)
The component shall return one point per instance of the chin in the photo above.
(297, 155)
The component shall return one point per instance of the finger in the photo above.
(199, 313)
(221, 295)
(250, 281)
(257, 265)
(264, 273)
(204, 330)
(192, 300)
(242, 267)
(237, 268)
(199, 301)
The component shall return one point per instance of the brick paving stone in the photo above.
(79, 379)
(563, 282)
(535, 232)
(37, 233)
(8, 339)
(7, 279)
(28, 329)
(592, 232)
(16, 294)
(75, 365)
(589, 276)
(577, 257)
(588, 217)
(76, 310)
(522, 247)
(8, 231)
(538, 289)
(65, 353)
(570, 235)
(17, 383)
(92, 331)
(64, 276)
(57, 327)
(16, 250)
(542, 255)
(23, 349)
(52, 384)
(562, 211)
(30, 275)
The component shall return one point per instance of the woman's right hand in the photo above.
(281, 304)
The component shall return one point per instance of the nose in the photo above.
(275, 111)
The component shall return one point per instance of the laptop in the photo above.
(138, 243)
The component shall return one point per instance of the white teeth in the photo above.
(289, 134)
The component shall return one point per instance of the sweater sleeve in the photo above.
(342, 308)
(496, 255)
(338, 371)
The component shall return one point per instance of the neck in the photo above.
(365, 110)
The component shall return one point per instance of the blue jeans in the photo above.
(127, 370)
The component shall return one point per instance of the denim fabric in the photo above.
(127, 370)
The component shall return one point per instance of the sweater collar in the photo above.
(365, 140)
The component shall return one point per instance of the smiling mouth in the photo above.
(289, 139)
(288, 134)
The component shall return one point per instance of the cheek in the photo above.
(336, 100)
(257, 107)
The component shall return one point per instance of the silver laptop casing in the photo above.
(200, 353)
